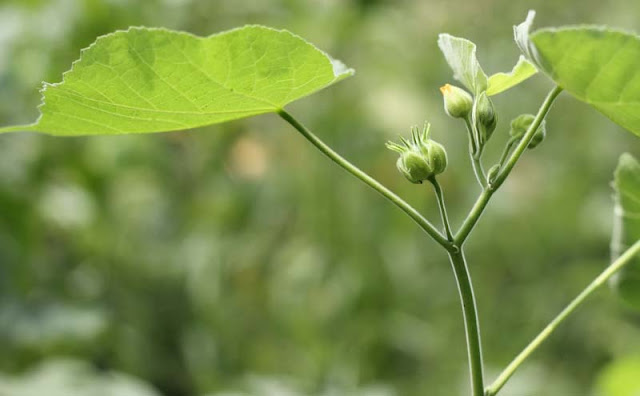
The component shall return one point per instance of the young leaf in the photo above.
(500, 82)
(627, 227)
(597, 65)
(153, 80)
(460, 54)
(521, 37)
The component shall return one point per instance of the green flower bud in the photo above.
(437, 156)
(457, 101)
(421, 158)
(414, 166)
(485, 117)
(521, 124)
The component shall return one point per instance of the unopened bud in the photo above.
(520, 125)
(421, 158)
(486, 117)
(457, 101)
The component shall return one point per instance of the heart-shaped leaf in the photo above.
(153, 80)
(597, 65)
(627, 227)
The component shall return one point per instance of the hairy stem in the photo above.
(471, 323)
(483, 199)
(371, 182)
(442, 207)
(618, 264)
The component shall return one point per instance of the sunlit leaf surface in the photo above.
(154, 80)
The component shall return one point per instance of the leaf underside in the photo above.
(153, 80)
(627, 227)
(460, 54)
(597, 65)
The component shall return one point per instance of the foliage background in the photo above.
(236, 260)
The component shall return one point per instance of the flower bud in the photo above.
(414, 166)
(437, 156)
(457, 101)
(485, 116)
(521, 124)
(421, 158)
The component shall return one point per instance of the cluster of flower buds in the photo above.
(420, 158)
(521, 124)
(458, 103)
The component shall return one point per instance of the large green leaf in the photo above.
(627, 227)
(460, 54)
(153, 80)
(597, 65)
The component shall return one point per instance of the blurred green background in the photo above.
(236, 260)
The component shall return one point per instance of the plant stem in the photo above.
(475, 153)
(507, 150)
(442, 207)
(618, 264)
(526, 139)
(355, 171)
(472, 326)
(483, 199)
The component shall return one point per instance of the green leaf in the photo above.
(460, 54)
(597, 65)
(627, 227)
(500, 82)
(620, 378)
(153, 80)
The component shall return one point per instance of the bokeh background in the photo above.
(236, 260)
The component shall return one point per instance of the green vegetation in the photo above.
(181, 302)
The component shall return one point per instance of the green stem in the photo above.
(475, 153)
(442, 207)
(618, 264)
(472, 326)
(483, 199)
(472, 139)
(526, 139)
(507, 150)
(355, 171)
(479, 170)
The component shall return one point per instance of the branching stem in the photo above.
(485, 196)
(371, 182)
